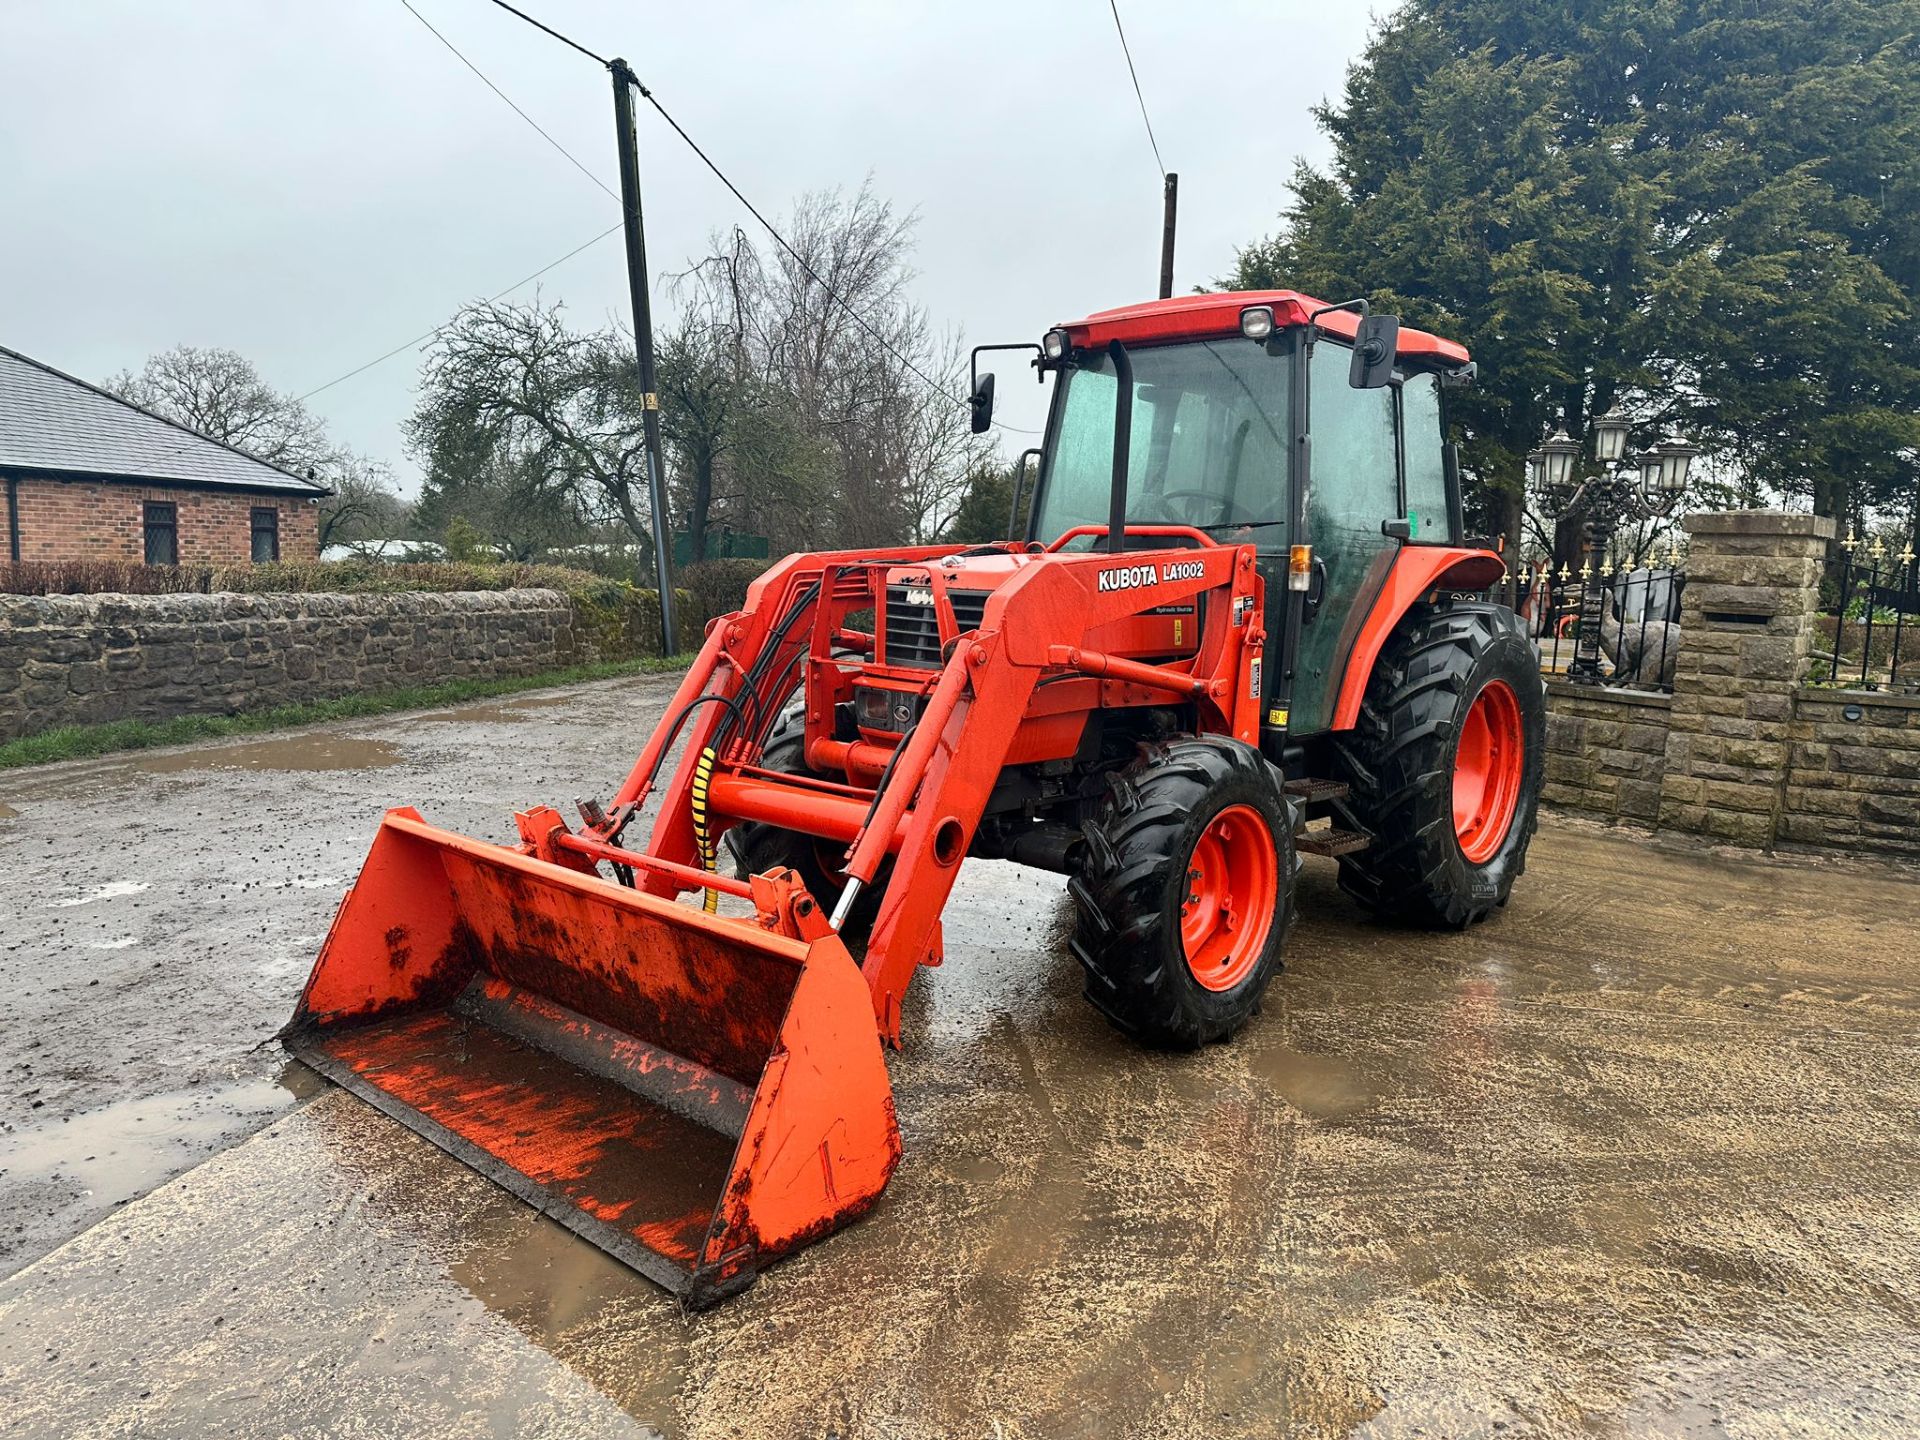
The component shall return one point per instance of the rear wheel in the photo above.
(1445, 766)
(1186, 891)
(758, 848)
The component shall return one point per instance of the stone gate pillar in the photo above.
(1747, 618)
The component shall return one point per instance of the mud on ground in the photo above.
(1638, 1157)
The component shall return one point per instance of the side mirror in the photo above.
(981, 403)
(1376, 342)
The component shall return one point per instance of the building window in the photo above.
(162, 523)
(266, 534)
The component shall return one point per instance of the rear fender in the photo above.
(1417, 571)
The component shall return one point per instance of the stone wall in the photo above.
(1606, 751)
(88, 659)
(1853, 778)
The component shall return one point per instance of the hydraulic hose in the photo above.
(702, 778)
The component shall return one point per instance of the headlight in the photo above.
(1054, 345)
(1256, 322)
(892, 710)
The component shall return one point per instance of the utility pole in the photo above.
(1166, 236)
(624, 82)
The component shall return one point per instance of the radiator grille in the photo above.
(968, 605)
(913, 631)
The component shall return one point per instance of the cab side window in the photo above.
(1355, 485)
(1426, 475)
(1356, 476)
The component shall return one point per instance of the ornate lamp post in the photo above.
(1642, 486)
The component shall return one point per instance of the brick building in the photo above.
(91, 477)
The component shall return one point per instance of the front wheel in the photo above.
(1185, 894)
(1445, 765)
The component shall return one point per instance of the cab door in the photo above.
(1354, 487)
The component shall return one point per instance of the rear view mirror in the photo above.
(981, 403)
(1376, 342)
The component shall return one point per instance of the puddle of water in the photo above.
(291, 752)
(505, 712)
(1324, 1087)
(108, 1156)
(112, 890)
(977, 1169)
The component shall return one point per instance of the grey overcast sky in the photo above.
(314, 183)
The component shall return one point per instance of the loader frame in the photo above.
(996, 700)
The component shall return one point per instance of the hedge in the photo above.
(125, 577)
(719, 587)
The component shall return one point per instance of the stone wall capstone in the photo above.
(90, 659)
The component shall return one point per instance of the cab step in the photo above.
(1330, 841)
(1317, 792)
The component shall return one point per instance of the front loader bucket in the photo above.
(696, 1095)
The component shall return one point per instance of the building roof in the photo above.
(54, 424)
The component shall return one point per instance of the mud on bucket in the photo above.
(695, 1095)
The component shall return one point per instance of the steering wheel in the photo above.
(1205, 510)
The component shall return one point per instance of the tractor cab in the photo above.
(1262, 418)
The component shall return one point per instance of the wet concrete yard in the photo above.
(1639, 1157)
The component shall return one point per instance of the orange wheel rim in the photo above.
(1232, 889)
(1487, 770)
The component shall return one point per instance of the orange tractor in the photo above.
(1242, 624)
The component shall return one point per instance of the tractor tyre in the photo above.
(758, 848)
(1185, 891)
(1445, 764)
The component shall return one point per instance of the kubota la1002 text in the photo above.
(1242, 605)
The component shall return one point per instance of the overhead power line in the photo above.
(1127, 50)
(420, 340)
(572, 159)
(564, 40)
(705, 159)
(799, 259)
(754, 211)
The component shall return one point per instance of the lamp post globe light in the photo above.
(1642, 486)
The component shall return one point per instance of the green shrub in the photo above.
(719, 587)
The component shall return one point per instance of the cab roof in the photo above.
(1197, 317)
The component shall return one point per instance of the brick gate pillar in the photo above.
(1746, 621)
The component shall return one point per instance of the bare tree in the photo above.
(841, 373)
(803, 395)
(364, 504)
(513, 381)
(221, 394)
